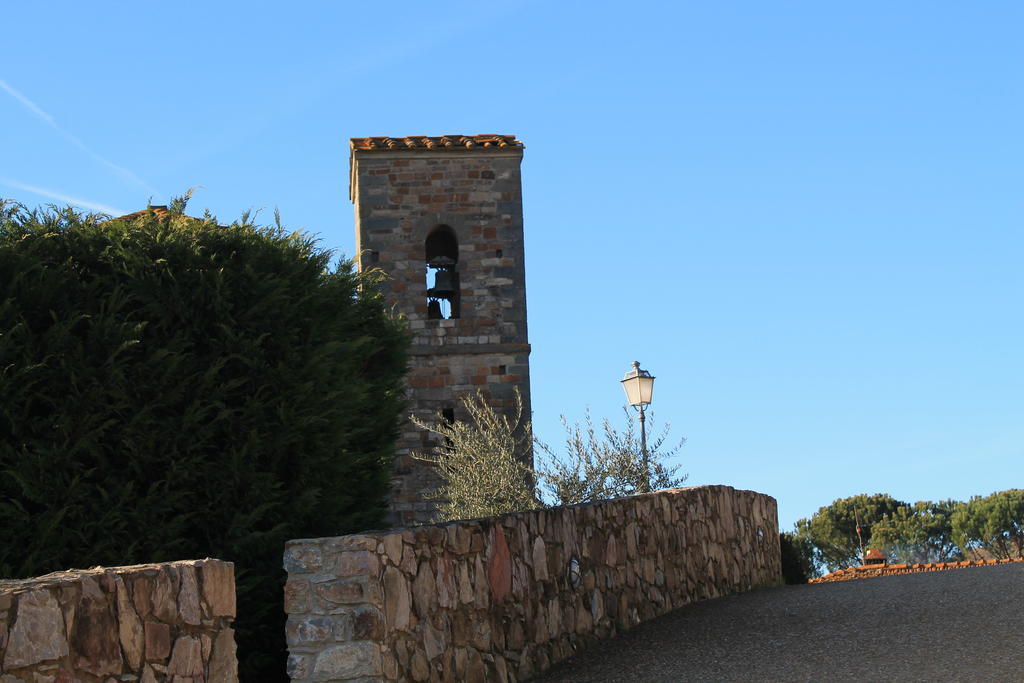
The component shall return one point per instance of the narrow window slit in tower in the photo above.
(448, 415)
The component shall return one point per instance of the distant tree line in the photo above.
(941, 531)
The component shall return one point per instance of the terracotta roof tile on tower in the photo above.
(442, 142)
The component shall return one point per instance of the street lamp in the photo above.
(639, 387)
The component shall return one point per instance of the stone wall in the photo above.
(148, 623)
(503, 598)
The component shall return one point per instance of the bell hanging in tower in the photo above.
(444, 283)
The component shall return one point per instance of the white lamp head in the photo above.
(638, 385)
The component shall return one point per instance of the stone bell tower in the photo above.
(443, 217)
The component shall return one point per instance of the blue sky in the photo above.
(804, 218)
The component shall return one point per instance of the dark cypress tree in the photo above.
(175, 389)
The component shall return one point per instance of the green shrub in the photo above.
(174, 389)
(797, 558)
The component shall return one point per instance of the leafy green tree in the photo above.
(171, 388)
(482, 461)
(832, 530)
(922, 533)
(606, 464)
(993, 524)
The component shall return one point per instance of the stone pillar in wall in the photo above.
(443, 217)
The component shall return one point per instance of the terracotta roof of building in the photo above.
(160, 211)
(872, 570)
(442, 142)
(874, 554)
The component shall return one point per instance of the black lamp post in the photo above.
(639, 387)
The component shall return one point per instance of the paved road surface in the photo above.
(959, 625)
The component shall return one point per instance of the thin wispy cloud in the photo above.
(124, 173)
(63, 198)
(28, 104)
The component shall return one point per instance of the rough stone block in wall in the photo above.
(147, 623)
(468, 187)
(503, 598)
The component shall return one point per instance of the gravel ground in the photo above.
(961, 625)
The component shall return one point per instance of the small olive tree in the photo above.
(483, 461)
(606, 464)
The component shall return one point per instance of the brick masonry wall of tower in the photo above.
(401, 194)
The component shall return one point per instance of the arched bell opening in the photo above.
(442, 256)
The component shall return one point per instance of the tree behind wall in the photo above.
(797, 554)
(172, 389)
(832, 530)
(991, 526)
(918, 534)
